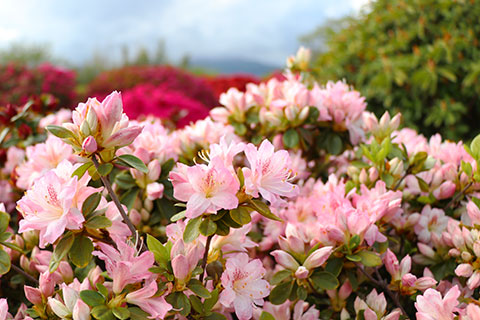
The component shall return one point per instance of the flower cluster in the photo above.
(290, 202)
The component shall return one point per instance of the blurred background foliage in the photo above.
(418, 57)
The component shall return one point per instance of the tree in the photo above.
(420, 57)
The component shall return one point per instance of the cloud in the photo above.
(264, 30)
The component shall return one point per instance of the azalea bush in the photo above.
(290, 201)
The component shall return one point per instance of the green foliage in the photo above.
(419, 57)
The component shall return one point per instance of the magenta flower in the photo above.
(243, 285)
(269, 173)
(206, 189)
(53, 204)
(124, 265)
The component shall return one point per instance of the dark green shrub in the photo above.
(419, 57)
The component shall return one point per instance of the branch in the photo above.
(205, 257)
(458, 195)
(23, 273)
(114, 197)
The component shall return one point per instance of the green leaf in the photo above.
(280, 276)
(369, 258)
(133, 162)
(266, 316)
(59, 131)
(80, 171)
(241, 215)
(334, 266)
(324, 280)
(60, 251)
(81, 252)
(138, 314)
(197, 287)
(291, 138)
(125, 180)
(91, 203)
(5, 236)
(215, 316)
(208, 227)
(467, 168)
(210, 303)
(104, 169)
(353, 257)
(281, 293)
(476, 201)
(302, 293)
(129, 197)
(475, 147)
(192, 230)
(4, 220)
(98, 222)
(222, 228)
(92, 298)
(354, 242)
(102, 289)
(178, 216)
(334, 144)
(121, 313)
(196, 304)
(5, 262)
(263, 209)
(180, 301)
(161, 253)
(422, 184)
(102, 313)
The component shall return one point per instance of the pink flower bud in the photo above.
(89, 145)
(180, 267)
(301, 273)
(155, 190)
(65, 271)
(408, 280)
(285, 260)
(424, 283)
(464, 270)
(317, 258)
(445, 191)
(135, 217)
(392, 265)
(345, 290)
(154, 170)
(474, 281)
(33, 294)
(47, 284)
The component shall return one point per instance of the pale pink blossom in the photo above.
(41, 158)
(4, 310)
(431, 305)
(105, 122)
(301, 311)
(185, 258)
(53, 204)
(243, 285)
(375, 307)
(206, 189)
(269, 173)
(125, 265)
(15, 156)
(70, 305)
(432, 221)
(145, 298)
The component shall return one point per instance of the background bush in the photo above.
(420, 57)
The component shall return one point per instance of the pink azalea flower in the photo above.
(4, 309)
(206, 189)
(71, 305)
(269, 173)
(301, 311)
(124, 265)
(42, 157)
(431, 305)
(243, 285)
(105, 123)
(375, 307)
(145, 298)
(472, 312)
(53, 204)
(185, 258)
(431, 222)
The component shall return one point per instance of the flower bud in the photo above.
(154, 190)
(317, 258)
(301, 273)
(89, 145)
(396, 166)
(285, 260)
(304, 114)
(464, 270)
(33, 294)
(154, 170)
(466, 256)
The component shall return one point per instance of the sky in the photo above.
(264, 31)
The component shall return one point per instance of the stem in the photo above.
(381, 284)
(458, 195)
(399, 182)
(23, 273)
(205, 257)
(105, 239)
(114, 197)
